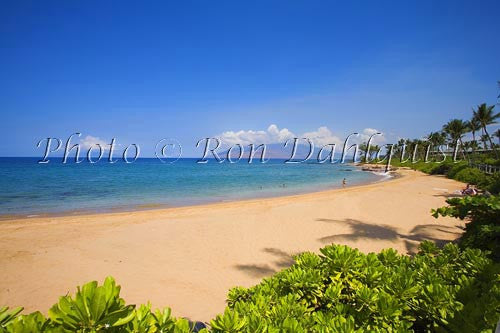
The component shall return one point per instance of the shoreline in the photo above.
(188, 258)
(6, 218)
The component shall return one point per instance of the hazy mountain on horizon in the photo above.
(279, 151)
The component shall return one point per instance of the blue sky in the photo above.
(142, 71)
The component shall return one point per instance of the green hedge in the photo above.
(471, 176)
(343, 290)
(494, 183)
(459, 171)
(482, 213)
(340, 290)
(441, 168)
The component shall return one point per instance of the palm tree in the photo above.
(436, 138)
(474, 125)
(429, 137)
(486, 116)
(363, 147)
(455, 129)
(484, 139)
(467, 145)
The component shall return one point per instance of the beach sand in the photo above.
(188, 258)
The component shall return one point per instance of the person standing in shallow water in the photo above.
(344, 182)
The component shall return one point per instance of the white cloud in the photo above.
(364, 136)
(92, 141)
(322, 136)
(280, 135)
(272, 135)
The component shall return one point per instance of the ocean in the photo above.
(31, 189)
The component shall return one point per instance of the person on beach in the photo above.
(469, 190)
(344, 182)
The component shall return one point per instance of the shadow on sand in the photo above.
(369, 231)
(282, 260)
(449, 195)
(359, 230)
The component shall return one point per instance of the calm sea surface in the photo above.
(28, 188)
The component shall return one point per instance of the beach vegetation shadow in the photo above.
(256, 270)
(283, 260)
(359, 230)
(449, 195)
(363, 230)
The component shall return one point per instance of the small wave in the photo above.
(385, 175)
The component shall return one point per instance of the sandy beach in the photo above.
(188, 258)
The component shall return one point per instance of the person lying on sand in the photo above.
(469, 190)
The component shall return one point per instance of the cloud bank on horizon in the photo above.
(273, 134)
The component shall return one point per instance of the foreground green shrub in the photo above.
(482, 230)
(94, 309)
(7, 316)
(33, 323)
(344, 290)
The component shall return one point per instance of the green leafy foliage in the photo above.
(229, 322)
(344, 290)
(471, 176)
(7, 316)
(32, 323)
(441, 168)
(459, 171)
(493, 184)
(456, 168)
(93, 308)
(482, 214)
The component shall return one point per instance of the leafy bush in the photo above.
(426, 167)
(343, 290)
(482, 230)
(94, 309)
(491, 161)
(471, 176)
(462, 172)
(494, 183)
(455, 169)
(441, 168)
(33, 323)
(7, 317)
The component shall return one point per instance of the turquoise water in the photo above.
(28, 188)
